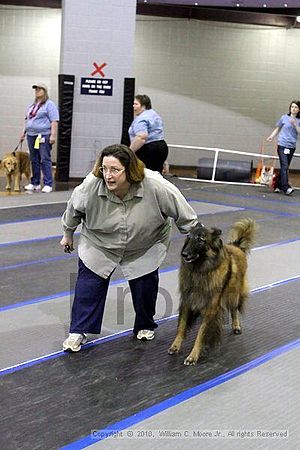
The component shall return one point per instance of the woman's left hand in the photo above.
(52, 139)
(138, 141)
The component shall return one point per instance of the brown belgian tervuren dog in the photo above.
(212, 279)
(15, 165)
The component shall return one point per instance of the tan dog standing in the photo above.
(15, 165)
(212, 279)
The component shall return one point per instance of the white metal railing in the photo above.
(217, 151)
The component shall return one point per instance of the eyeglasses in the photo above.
(114, 172)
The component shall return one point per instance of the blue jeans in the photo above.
(40, 160)
(285, 161)
(90, 296)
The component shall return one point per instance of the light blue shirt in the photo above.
(41, 122)
(288, 134)
(151, 123)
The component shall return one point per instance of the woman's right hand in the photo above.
(22, 137)
(67, 243)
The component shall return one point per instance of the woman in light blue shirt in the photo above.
(287, 129)
(41, 130)
(146, 134)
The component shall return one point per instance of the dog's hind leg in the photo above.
(235, 314)
(235, 321)
(181, 330)
(238, 307)
(27, 175)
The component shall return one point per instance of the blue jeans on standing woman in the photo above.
(285, 156)
(40, 160)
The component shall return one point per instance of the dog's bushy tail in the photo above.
(242, 234)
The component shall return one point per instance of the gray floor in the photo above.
(265, 398)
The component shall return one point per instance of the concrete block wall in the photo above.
(104, 34)
(216, 84)
(29, 53)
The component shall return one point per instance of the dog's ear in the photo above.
(13, 153)
(217, 243)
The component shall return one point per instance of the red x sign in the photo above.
(98, 69)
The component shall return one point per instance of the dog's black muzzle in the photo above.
(192, 250)
(195, 244)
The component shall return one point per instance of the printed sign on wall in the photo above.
(90, 86)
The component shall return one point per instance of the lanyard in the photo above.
(34, 110)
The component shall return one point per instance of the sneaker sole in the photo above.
(72, 350)
(145, 339)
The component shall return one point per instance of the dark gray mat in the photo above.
(61, 400)
(42, 269)
(31, 213)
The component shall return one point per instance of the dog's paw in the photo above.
(173, 349)
(176, 345)
(190, 361)
(237, 331)
(8, 188)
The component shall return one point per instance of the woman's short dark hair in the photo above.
(134, 167)
(297, 102)
(144, 100)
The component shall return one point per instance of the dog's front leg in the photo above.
(17, 183)
(209, 331)
(235, 318)
(8, 182)
(181, 331)
(193, 357)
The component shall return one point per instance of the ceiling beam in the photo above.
(33, 3)
(254, 17)
(284, 17)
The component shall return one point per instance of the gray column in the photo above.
(100, 32)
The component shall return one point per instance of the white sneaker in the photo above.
(289, 191)
(32, 187)
(145, 335)
(47, 189)
(277, 190)
(74, 341)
